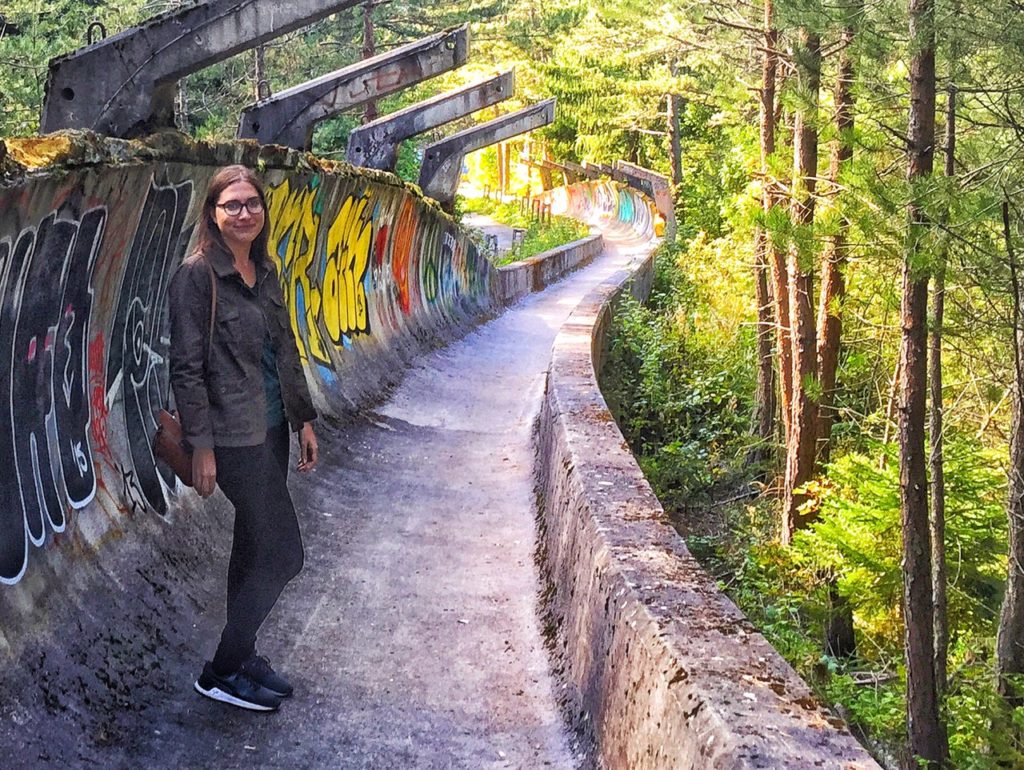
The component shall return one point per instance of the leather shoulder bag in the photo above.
(169, 442)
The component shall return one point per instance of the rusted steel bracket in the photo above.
(289, 117)
(375, 145)
(442, 161)
(125, 85)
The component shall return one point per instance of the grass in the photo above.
(538, 237)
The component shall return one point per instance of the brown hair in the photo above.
(208, 235)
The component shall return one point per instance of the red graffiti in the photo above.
(381, 246)
(98, 396)
(401, 252)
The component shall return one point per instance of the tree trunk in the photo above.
(772, 198)
(499, 148)
(936, 459)
(181, 107)
(765, 404)
(260, 74)
(764, 396)
(369, 49)
(833, 263)
(674, 106)
(925, 732)
(800, 266)
(840, 639)
(1010, 636)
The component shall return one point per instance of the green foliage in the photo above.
(539, 235)
(856, 540)
(855, 543)
(677, 397)
(40, 31)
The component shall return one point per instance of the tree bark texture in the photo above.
(801, 443)
(674, 107)
(925, 731)
(181, 107)
(764, 396)
(260, 75)
(771, 198)
(1010, 636)
(765, 403)
(833, 263)
(500, 149)
(936, 454)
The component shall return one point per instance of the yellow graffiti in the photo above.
(348, 254)
(324, 292)
(294, 222)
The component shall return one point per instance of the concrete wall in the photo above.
(518, 279)
(89, 237)
(604, 203)
(660, 669)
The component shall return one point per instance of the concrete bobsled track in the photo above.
(434, 624)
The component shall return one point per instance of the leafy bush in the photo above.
(539, 236)
(854, 548)
(676, 396)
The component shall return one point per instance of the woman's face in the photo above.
(241, 228)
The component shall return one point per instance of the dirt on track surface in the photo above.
(412, 635)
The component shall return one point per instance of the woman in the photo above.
(237, 394)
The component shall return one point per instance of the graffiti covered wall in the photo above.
(370, 272)
(605, 203)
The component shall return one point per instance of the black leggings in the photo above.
(266, 551)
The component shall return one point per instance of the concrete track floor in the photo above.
(412, 635)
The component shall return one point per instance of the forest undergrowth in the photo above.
(678, 380)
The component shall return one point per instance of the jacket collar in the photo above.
(223, 262)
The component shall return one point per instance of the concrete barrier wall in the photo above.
(518, 279)
(89, 237)
(604, 203)
(660, 669)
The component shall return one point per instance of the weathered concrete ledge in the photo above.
(520, 278)
(660, 669)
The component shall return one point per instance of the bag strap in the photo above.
(213, 309)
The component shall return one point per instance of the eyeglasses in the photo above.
(233, 208)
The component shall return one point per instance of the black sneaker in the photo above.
(258, 667)
(239, 689)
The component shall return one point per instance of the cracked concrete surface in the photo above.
(412, 635)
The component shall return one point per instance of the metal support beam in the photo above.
(289, 117)
(375, 145)
(656, 186)
(125, 85)
(442, 161)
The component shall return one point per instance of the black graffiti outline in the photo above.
(29, 496)
(136, 357)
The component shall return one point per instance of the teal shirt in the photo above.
(272, 385)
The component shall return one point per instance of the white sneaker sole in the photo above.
(215, 693)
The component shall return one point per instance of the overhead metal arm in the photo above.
(442, 161)
(124, 85)
(375, 145)
(289, 117)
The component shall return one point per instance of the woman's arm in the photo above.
(190, 294)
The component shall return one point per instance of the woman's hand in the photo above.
(308, 452)
(204, 471)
